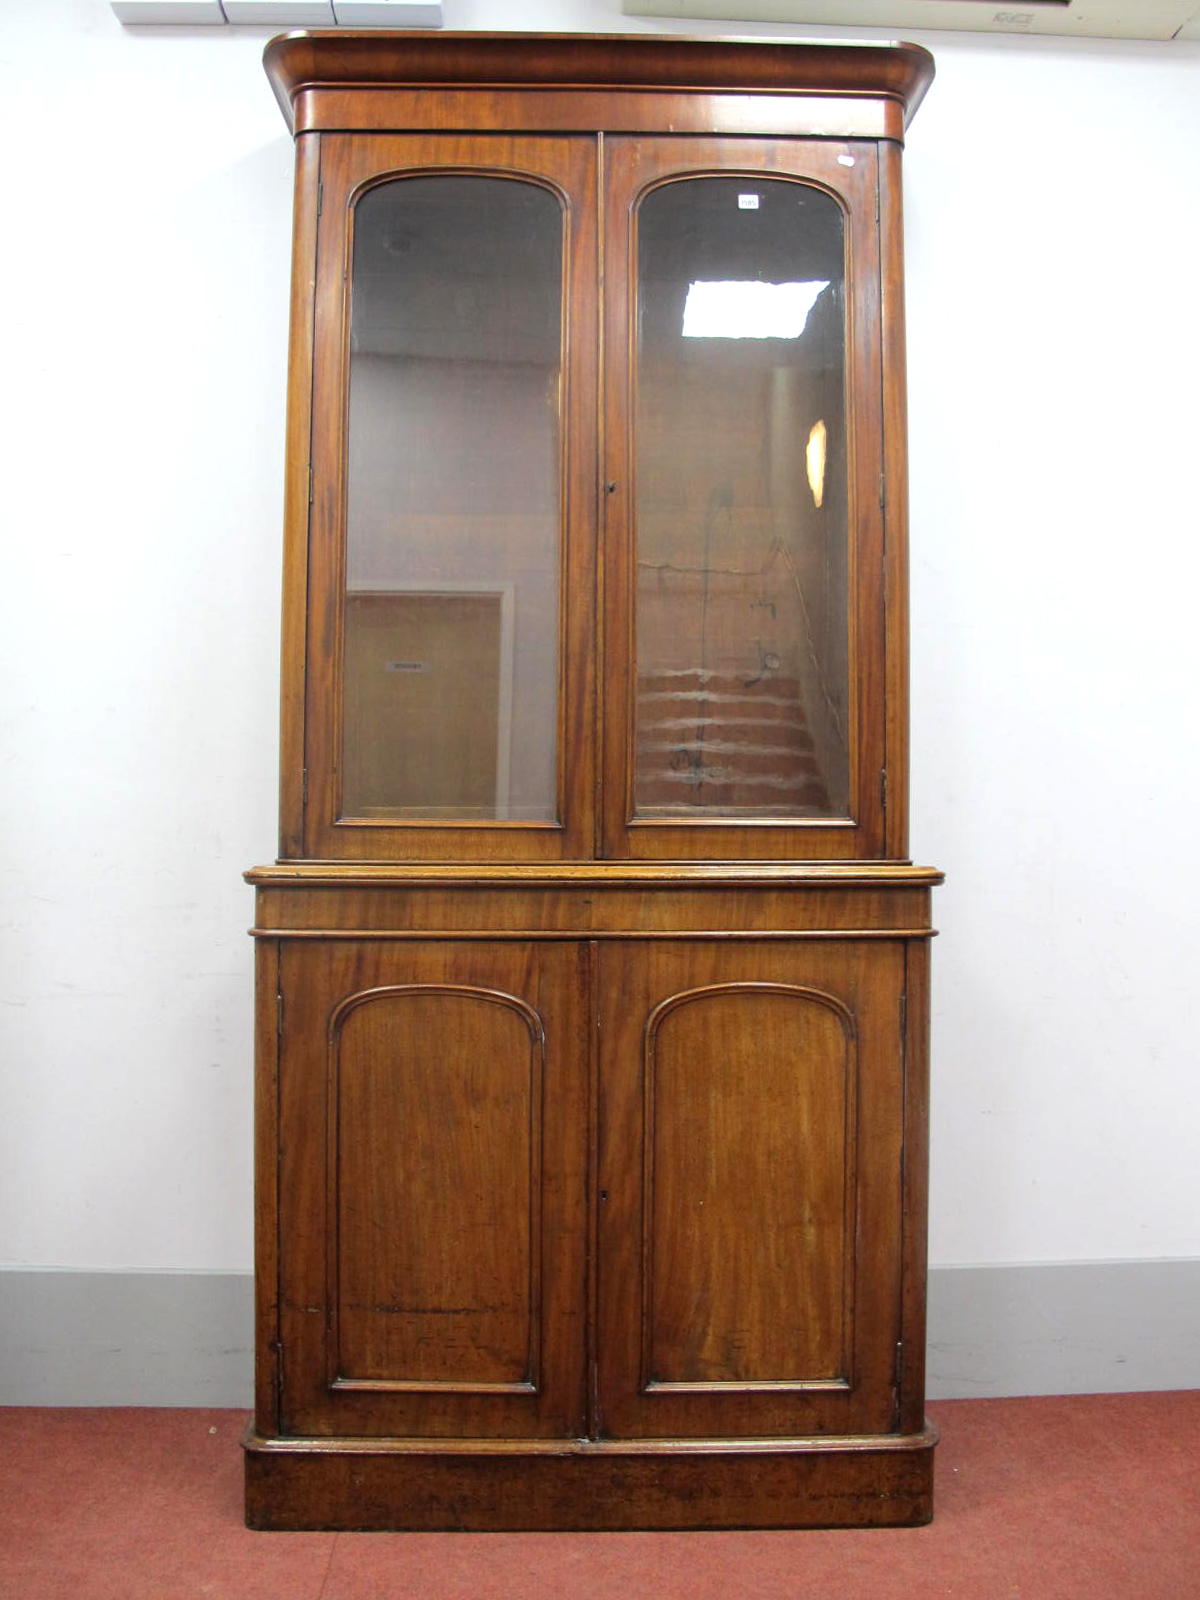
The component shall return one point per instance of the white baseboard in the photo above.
(186, 1339)
(1089, 1327)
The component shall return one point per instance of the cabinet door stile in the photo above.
(297, 494)
(267, 1044)
(895, 468)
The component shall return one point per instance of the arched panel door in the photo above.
(751, 1120)
(433, 1127)
(434, 1150)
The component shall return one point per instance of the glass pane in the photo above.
(450, 659)
(740, 500)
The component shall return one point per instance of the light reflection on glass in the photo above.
(748, 310)
(814, 460)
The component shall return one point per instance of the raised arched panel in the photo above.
(434, 1180)
(749, 1188)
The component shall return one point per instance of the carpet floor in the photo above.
(1064, 1498)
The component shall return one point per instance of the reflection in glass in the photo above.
(741, 502)
(450, 653)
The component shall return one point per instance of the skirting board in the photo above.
(70, 1338)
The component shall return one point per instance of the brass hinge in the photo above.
(903, 1013)
(321, 199)
(279, 1013)
(304, 787)
(310, 483)
(882, 491)
(883, 787)
(877, 202)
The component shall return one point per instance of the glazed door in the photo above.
(433, 1136)
(751, 1119)
(450, 645)
(745, 617)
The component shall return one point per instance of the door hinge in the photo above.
(321, 199)
(883, 787)
(304, 787)
(310, 497)
(279, 1013)
(876, 203)
(882, 491)
(903, 1013)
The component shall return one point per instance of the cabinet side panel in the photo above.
(266, 1190)
(435, 1118)
(915, 1198)
(895, 514)
(296, 497)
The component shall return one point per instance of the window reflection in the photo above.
(747, 309)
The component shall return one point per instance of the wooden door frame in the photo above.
(548, 984)
(848, 171)
(864, 982)
(351, 165)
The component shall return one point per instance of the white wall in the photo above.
(1054, 318)
(1054, 336)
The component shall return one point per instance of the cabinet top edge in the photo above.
(597, 875)
(341, 59)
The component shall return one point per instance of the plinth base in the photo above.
(486, 1486)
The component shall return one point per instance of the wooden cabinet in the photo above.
(592, 976)
(738, 1090)
(432, 1188)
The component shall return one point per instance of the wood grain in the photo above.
(895, 477)
(266, 1194)
(433, 1152)
(434, 1166)
(358, 70)
(915, 1265)
(596, 903)
(592, 111)
(296, 495)
(378, 1484)
(808, 1223)
(749, 1156)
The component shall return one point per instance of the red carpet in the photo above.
(1093, 1498)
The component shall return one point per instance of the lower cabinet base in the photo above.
(348, 1484)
